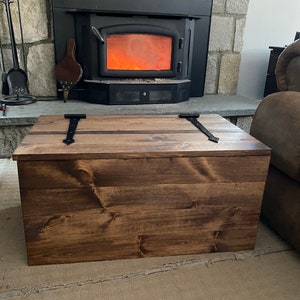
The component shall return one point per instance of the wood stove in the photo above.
(136, 51)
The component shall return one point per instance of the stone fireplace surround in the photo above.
(226, 41)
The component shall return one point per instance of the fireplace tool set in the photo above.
(4, 82)
(15, 81)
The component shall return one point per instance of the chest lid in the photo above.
(135, 136)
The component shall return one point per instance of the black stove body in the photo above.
(136, 51)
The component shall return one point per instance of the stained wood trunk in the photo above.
(138, 186)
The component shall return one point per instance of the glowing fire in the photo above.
(139, 52)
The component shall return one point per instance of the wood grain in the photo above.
(170, 192)
(115, 172)
(134, 137)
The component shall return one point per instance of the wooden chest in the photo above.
(138, 186)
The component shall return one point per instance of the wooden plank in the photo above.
(142, 246)
(121, 235)
(130, 123)
(154, 147)
(141, 172)
(134, 199)
(134, 136)
(110, 224)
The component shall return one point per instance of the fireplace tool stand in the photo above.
(15, 79)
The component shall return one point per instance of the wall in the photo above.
(269, 23)
(226, 41)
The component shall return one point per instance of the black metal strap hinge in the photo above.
(193, 119)
(74, 119)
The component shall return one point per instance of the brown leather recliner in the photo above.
(277, 124)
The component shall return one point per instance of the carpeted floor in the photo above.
(271, 271)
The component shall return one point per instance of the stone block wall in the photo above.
(226, 42)
(225, 46)
(38, 44)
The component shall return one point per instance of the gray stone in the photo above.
(244, 123)
(239, 34)
(218, 6)
(222, 33)
(229, 73)
(34, 21)
(8, 60)
(239, 7)
(36, 25)
(4, 24)
(41, 74)
(10, 137)
(211, 74)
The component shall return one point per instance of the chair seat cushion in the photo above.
(277, 124)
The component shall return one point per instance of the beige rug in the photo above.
(271, 271)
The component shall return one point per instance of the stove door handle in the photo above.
(97, 34)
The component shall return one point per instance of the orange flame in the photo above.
(139, 52)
